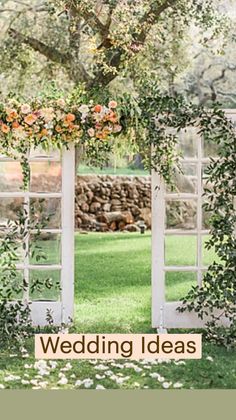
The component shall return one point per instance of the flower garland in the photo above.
(23, 126)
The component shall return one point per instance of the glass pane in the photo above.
(188, 139)
(39, 153)
(9, 209)
(11, 178)
(186, 181)
(206, 216)
(180, 250)
(45, 249)
(208, 255)
(178, 284)
(181, 214)
(45, 213)
(45, 285)
(11, 284)
(16, 248)
(210, 149)
(45, 176)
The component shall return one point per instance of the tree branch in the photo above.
(49, 52)
(146, 22)
(67, 60)
(150, 18)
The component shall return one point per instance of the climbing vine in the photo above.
(51, 124)
(152, 115)
(215, 300)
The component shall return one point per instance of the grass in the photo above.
(85, 170)
(113, 294)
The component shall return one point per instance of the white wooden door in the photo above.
(179, 231)
(49, 201)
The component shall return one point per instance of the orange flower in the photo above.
(112, 117)
(44, 132)
(5, 129)
(15, 124)
(97, 108)
(58, 129)
(100, 135)
(70, 117)
(11, 114)
(30, 119)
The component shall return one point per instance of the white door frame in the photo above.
(164, 314)
(62, 311)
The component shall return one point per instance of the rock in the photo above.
(84, 207)
(132, 228)
(146, 216)
(107, 207)
(94, 207)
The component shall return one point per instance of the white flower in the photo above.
(97, 376)
(11, 378)
(137, 369)
(88, 383)
(25, 109)
(177, 385)
(91, 132)
(179, 362)
(84, 109)
(210, 359)
(25, 382)
(120, 381)
(43, 384)
(34, 382)
(40, 364)
(117, 365)
(101, 367)
(53, 364)
(28, 366)
(67, 367)
(129, 365)
(61, 102)
(100, 387)
(166, 385)
(2, 386)
(78, 382)
(63, 381)
(109, 373)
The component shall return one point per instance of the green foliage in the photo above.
(217, 296)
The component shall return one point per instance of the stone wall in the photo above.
(106, 202)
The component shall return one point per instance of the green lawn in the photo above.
(113, 294)
(85, 170)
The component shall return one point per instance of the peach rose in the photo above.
(112, 104)
(15, 124)
(5, 129)
(30, 119)
(11, 114)
(70, 117)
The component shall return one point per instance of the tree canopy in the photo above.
(97, 42)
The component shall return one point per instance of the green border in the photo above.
(113, 405)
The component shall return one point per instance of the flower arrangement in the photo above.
(23, 126)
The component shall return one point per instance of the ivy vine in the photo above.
(215, 300)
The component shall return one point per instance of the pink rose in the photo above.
(112, 104)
